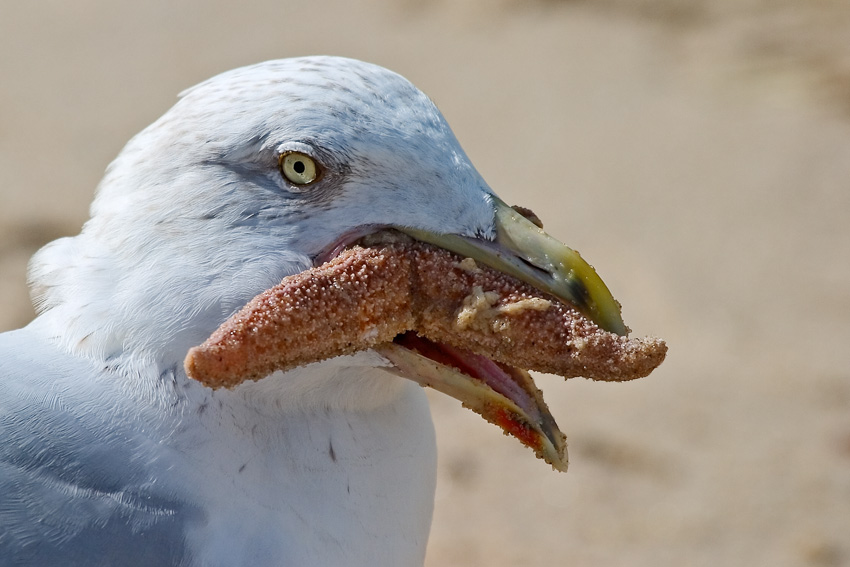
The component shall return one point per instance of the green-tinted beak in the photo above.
(523, 250)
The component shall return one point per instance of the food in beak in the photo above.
(440, 319)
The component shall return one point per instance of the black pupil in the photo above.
(298, 166)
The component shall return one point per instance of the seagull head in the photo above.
(263, 172)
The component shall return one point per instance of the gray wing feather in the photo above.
(76, 489)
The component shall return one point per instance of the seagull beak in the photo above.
(524, 251)
(504, 395)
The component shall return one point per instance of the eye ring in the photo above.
(298, 168)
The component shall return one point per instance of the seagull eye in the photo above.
(298, 168)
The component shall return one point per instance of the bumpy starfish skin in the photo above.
(368, 296)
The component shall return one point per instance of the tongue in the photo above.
(510, 382)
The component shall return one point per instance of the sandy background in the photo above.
(698, 154)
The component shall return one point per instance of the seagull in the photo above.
(111, 455)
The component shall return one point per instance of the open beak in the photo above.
(503, 395)
(375, 307)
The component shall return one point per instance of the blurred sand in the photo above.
(698, 154)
